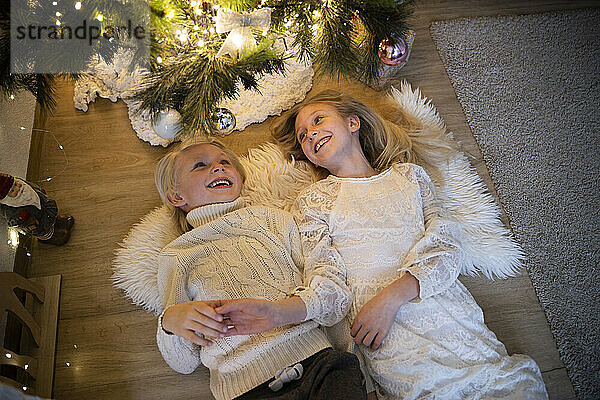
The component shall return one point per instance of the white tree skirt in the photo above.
(114, 81)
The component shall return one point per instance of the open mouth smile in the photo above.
(220, 183)
(321, 143)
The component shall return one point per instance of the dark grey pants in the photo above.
(328, 375)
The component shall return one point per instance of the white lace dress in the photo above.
(378, 228)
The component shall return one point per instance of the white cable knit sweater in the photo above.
(234, 252)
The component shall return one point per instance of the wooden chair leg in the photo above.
(40, 315)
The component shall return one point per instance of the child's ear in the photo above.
(354, 123)
(174, 199)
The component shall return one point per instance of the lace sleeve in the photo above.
(181, 354)
(436, 259)
(326, 296)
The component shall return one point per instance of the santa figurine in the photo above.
(27, 207)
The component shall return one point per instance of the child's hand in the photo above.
(248, 316)
(186, 319)
(373, 322)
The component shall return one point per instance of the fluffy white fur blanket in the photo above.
(274, 181)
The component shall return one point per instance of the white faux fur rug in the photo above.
(273, 181)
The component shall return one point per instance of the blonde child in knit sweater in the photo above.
(376, 218)
(227, 251)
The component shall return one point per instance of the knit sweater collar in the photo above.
(204, 214)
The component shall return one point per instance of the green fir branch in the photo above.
(338, 55)
(196, 82)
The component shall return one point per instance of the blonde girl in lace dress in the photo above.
(376, 217)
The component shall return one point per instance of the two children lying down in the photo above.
(370, 253)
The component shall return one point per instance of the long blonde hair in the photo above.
(166, 176)
(383, 142)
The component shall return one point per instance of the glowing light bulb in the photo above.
(198, 11)
(201, 42)
(75, 346)
(28, 254)
(54, 3)
(68, 364)
(193, 3)
(57, 22)
(171, 14)
(8, 355)
(12, 96)
(25, 388)
(100, 17)
(211, 30)
(60, 146)
(265, 32)
(237, 39)
(78, 5)
(58, 14)
(216, 6)
(26, 366)
(195, 27)
(159, 59)
(22, 128)
(13, 240)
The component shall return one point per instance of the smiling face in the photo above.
(205, 175)
(325, 136)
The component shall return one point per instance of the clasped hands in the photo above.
(223, 318)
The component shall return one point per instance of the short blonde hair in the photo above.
(383, 142)
(166, 175)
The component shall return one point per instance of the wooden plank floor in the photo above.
(108, 186)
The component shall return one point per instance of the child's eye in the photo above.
(318, 119)
(226, 162)
(199, 164)
(301, 136)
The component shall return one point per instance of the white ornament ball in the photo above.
(167, 124)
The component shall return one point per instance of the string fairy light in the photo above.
(61, 148)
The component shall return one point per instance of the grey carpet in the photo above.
(529, 87)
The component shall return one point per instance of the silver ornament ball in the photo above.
(224, 121)
(167, 124)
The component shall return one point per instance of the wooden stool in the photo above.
(36, 309)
